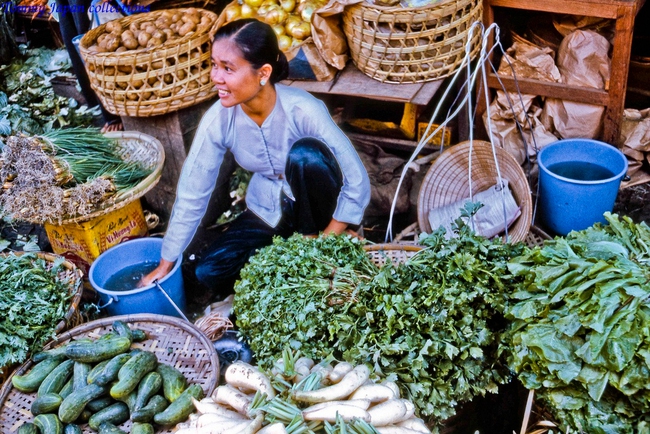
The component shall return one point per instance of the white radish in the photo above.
(220, 428)
(274, 428)
(252, 427)
(330, 412)
(410, 410)
(210, 418)
(232, 397)
(247, 377)
(188, 430)
(374, 392)
(361, 403)
(302, 368)
(415, 423)
(339, 371)
(392, 429)
(208, 406)
(388, 412)
(393, 386)
(341, 390)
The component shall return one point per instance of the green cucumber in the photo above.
(48, 424)
(156, 405)
(129, 400)
(148, 387)
(96, 370)
(67, 388)
(46, 403)
(73, 405)
(56, 379)
(116, 414)
(109, 428)
(102, 402)
(110, 370)
(80, 375)
(179, 410)
(92, 352)
(174, 382)
(138, 335)
(72, 428)
(31, 381)
(55, 352)
(121, 328)
(28, 428)
(132, 372)
(142, 428)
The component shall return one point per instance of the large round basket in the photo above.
(447, 181)
(174, 341)
(69, 273)
(409, 45)
(155, 80)
(133, 147)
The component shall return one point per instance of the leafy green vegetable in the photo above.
(580, 326)
(34, 297)
(27, 99)
(433, 323)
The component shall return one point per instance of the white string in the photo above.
(469, 84)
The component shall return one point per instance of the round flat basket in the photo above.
(69, 273)
(447, 181)
(133, 147)
(155, 80)
(397, 253)
(411, 45)
(174, 342)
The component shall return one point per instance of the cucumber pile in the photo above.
(104, 383)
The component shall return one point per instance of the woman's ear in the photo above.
(265, 72)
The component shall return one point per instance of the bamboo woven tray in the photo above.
(397, 253)
(72, 317)
(174, 341)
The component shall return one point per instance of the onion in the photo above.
(233, 12)
(279, 29)
(291, 22)
(284, 42)
(288, 5)
(301, 31)
(307, 12)
(273, 15)
(247, 11)
(253, 3)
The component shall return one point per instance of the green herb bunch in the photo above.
(432, 324)
(34, 297)
(297, 293)
(580, 330)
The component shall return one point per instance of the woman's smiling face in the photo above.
(234, 77)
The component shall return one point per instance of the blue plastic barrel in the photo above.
(147, 299)
(578, 182)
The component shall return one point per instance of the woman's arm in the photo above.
(163, 268)
(335, 227)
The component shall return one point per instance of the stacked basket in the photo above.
(155, 80)
(409, 45)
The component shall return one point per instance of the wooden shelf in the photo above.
(623, 12)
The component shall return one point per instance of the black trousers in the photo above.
(315, 180)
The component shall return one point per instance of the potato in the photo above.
(193, 85)
(146, 95)
(150, 29)
(114, 27)
(157, 64)
(109, 70)
(162, 93)
(121, 85)
(137, 84)
(168, 78)
(125, 69)
(111, 42)
(132, 96)
(176, 17)
(205, 79)
(143, 38)
(187, 28)
(159, 34)
(101, 38)
(134, 27)
(181, 74)
(130, 44)
(154, 42)
(182, 58)
(153, 81)
(169, 34)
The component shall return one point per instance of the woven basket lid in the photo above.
(447, 181)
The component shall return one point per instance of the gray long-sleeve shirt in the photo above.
(263, 151)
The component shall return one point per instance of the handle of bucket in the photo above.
(109, 302)
(180, 312)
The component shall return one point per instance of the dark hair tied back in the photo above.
(258, 44)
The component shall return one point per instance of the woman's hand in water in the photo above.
(163, 268)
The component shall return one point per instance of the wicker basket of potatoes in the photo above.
(151, 64)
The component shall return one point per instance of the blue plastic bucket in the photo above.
(578, 182)
(147, 299)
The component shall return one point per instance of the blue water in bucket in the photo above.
(578, 182)
(148, 299)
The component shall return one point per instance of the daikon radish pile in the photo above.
(300, 396)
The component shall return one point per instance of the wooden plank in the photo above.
(595, 8)
(353, 82)
(391, 143)
(311, 86)
(552, 90)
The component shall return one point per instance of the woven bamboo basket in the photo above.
(410, 45)
(397, 253)
(72, 317)
(151, 81)
(133, 147)
(447, 181)
(174, 341)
